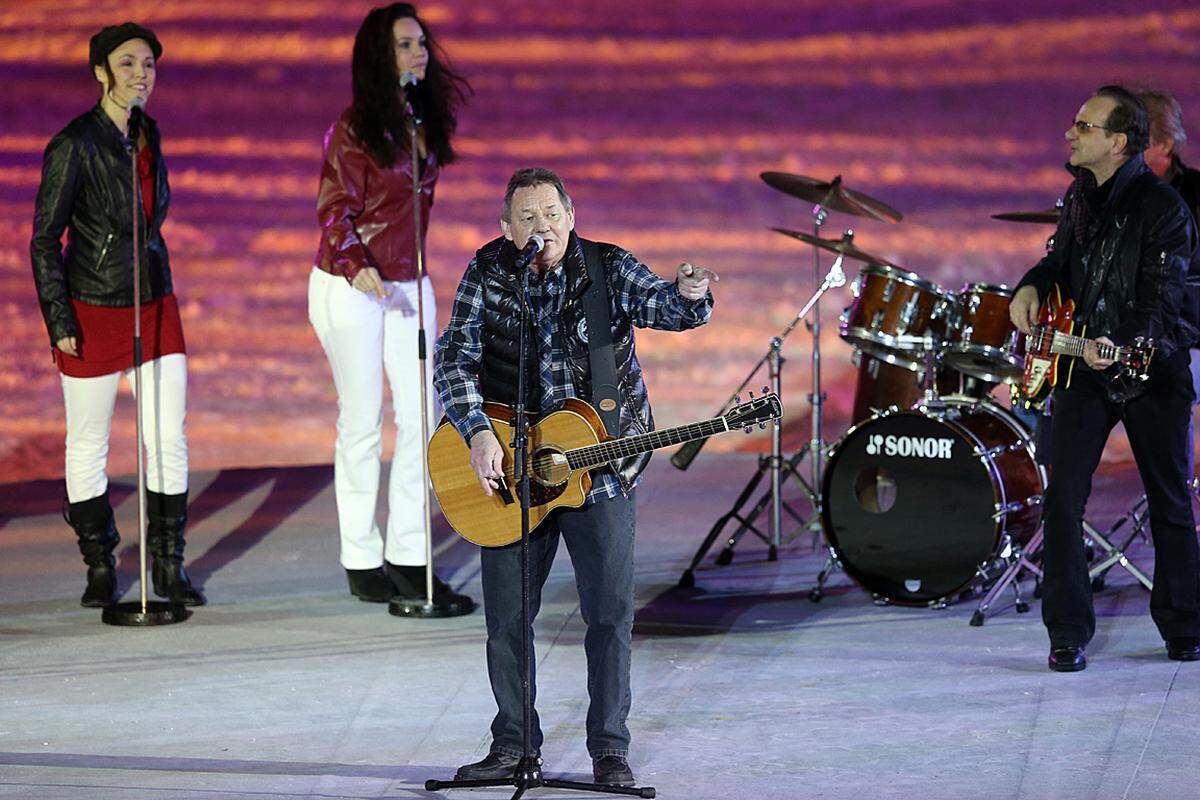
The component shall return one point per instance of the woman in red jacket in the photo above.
(86, 294)
(362, 292)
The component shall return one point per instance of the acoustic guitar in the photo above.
(1054, 336)
(564, 446)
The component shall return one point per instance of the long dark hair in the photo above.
(377, 116)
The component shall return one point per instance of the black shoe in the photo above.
(612, 771)
(1183, 648)
(370, 585)
(409, 583)
(1067, 659)
(493, 767)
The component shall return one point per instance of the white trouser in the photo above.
(365, 337)
(89, 405)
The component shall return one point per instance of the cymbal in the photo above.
(1044, 217)
(837, 246)
(833, 195)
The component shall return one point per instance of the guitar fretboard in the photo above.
(616, 449)
(1069, 345)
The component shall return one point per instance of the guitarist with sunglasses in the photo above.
(476, 361)
(1121, 253)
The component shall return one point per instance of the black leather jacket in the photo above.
(1136, 266)
(85, 191)
(501, 327)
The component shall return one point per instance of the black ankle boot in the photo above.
(97, 533)
(166, 519)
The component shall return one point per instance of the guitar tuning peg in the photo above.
(747, 429)
(762, 426)
(766, 390)
(751, 394)
(775, 422)
(737, 398)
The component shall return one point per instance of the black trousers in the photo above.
(1159, 426)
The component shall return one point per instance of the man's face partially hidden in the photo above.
(539, 209)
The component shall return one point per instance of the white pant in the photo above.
(364, 337)
(89, 405)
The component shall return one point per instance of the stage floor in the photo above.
(287, 687)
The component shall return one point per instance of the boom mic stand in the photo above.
(398, 606)
(145, 612)
(775, 465)
(528, 773)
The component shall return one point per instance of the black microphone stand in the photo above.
(528, 773)
(145, 612)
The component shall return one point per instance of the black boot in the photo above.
(97, 532)
(166, 518)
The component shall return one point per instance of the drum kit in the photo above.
(935, 490)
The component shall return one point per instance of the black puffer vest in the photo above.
(501, 329)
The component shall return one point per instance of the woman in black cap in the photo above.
(86, 294)
(362, 292)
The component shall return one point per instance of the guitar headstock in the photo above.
(1134, 359)
(758, 411)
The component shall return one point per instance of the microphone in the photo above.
(836, 276)
(534, 246)
(408, 78)
(136, 106)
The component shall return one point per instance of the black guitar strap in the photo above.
(602, 360)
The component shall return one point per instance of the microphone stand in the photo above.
(398, 606)
(146, 612)
(528, 773)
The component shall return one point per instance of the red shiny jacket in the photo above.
(365, 211)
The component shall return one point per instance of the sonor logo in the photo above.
(909, 446)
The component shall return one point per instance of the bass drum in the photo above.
(915, 501)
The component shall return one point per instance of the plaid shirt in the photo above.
(648, 300)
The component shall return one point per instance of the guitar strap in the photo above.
(602, 360)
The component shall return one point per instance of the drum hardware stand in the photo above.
(528, 772)
(1115, 555)
(1018, 558)
(406, 606)
(775, 464)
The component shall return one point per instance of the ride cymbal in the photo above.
(1040, 217)
(833, 195)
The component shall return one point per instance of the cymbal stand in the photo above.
(775, 464)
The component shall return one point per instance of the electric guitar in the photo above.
(564, 446)
(1054, 337)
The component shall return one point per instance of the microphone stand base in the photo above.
(157, 612)
(438, 609)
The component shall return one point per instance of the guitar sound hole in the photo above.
(549, 467)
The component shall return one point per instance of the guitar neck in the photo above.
(1069, 345)
(616, 449)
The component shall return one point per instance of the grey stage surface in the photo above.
(286, 687)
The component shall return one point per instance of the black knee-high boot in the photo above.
(97, 533)
(166, 518)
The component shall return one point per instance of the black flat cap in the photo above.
(114, 36)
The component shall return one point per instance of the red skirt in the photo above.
(105, 341)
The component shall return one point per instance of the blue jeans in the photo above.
(599, 537)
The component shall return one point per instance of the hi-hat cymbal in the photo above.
(837, 246)
(1043, 217)
(833, 195)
